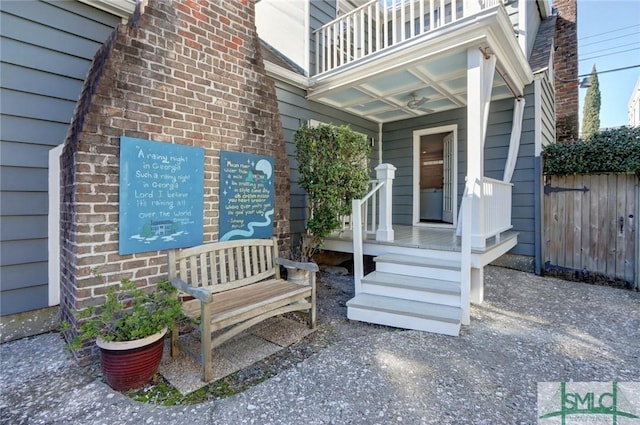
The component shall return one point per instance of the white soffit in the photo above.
(433, 66)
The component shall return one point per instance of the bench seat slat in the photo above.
(246, 298)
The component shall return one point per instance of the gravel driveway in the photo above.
(529, 330)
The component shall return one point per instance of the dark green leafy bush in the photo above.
(332, 162)
(607, 152)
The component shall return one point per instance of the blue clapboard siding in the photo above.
(47, 48)
(397, 150)
(295, 111)
(321, 12)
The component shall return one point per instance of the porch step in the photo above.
(435, 268)
(406, 314)
(412, 288)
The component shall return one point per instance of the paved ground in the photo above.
(529, 330)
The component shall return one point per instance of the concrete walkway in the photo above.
(529, 330)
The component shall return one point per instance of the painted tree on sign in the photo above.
(591, 111)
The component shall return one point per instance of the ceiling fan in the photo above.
(415, 103)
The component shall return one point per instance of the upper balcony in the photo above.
(382, 24)
(376, 59)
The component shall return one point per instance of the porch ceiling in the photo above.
(432, 67)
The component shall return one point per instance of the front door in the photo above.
(435, 199)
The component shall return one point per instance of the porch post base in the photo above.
(477, 285)
(385, 235)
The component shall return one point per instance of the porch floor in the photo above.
(421, 237)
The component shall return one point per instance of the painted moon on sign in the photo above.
(264, 166)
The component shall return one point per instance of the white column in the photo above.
(385, 173)
(475, 132)
(358, 262)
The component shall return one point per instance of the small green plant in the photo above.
(332, 162)
(129, 313)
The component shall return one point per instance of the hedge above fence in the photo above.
(607, 152)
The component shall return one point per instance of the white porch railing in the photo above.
(373, 27)
(374, 208)
(494, 207)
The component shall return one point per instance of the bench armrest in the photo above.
(312, 267)
(203, 294)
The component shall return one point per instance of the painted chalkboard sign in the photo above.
(246, 196)
(161, 195)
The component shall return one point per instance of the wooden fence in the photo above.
(591, 225)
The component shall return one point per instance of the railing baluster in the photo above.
(378, 33)
(412, 18)
(421, 29)
(431, 15)
(336, 46)
(385, 23)
(318, 68)
(394, 22)
(369, 46)
(402, 21)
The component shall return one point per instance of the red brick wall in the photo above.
(566, 69)
(187, 72)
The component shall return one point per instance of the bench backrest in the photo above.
(220, 266)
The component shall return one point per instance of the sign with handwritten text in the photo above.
(161, 195)
(246, 196)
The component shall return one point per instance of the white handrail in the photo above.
(380, 216)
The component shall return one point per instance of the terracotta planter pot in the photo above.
(131, 364)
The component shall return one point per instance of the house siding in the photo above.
(47, 49)
(296, 111)
(397, 150)
(548, 125)
(321, 12)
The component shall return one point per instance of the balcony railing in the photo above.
(380, 24)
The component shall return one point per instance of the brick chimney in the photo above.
(566, 69)
(183, 72)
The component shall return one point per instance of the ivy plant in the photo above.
(612, 151)
(333, 167)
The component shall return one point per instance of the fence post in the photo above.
(385, 173)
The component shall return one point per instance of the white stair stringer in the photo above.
(411, 292)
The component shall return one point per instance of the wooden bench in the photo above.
(235, 285)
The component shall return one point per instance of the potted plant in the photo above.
(129, 330)
(333, 168)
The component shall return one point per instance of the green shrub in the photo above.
(332, 162)
(613, 151)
